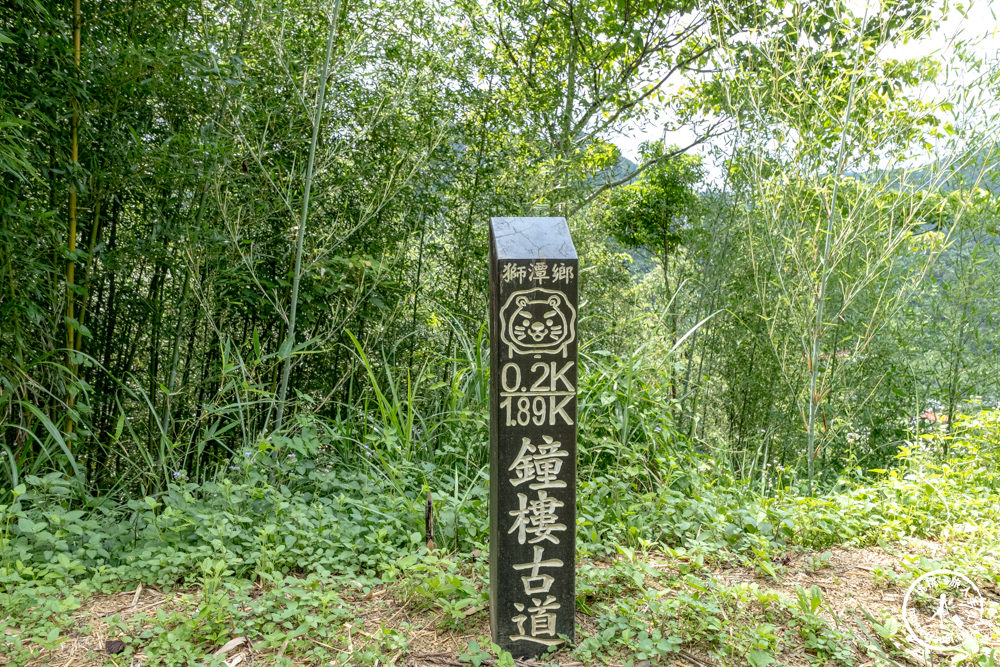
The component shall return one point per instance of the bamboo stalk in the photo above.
(289, 343)
(94, 236)
(166, 418)
(817, 334)
(71, 236)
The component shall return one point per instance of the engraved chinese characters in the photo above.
(533, 324)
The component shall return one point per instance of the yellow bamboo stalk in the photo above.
(71, 241)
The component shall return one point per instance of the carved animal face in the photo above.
(538, 321)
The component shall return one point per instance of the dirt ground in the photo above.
(856, 584)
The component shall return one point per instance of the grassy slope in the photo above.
(320, 566)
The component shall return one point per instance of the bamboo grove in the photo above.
(225, 222)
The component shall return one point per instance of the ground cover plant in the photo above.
(306, 565)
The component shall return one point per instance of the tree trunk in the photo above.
(566, 141)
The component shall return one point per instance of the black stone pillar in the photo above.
(533, 378)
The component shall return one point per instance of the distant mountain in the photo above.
(624, 167)
(981, 169)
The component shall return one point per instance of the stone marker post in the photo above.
(533, 378)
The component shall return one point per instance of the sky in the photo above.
(965, 20)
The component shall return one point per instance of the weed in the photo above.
(818, 562)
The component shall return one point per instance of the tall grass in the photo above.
(145, 449)
(419, 420)
(39, 445)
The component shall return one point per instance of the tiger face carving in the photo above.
(537, 321)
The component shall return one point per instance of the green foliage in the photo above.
(439, 584)
(654, 211)
(276, 547)
(196, 126)
(826, 274)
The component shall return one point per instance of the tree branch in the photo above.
(659, 84)
(649, 163)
